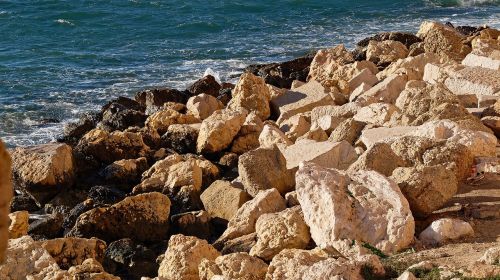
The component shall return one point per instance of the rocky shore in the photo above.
(375, 163)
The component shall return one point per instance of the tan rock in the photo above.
(5, 197)
(241, 266)
(443, 40)
(385, 51)
(142, 217)
(296, 84)
(183, 255)
(348, 130)
(426, 188)
(445, 230)
(364, 77)
(327, 61)
(491, 256)
(407, 275)
(19, 224)
(364, 206)
(243, 222)
(386, 91)
(379, 157)
(125, 170)
(413, 67)
(317, 134)
(362, 88)
(277, 231)
(43, 170)
(218, 131)
(203, 105)
(272, 135)
(265, 168)
(293, 264)
(252, 94)
(376, 113)
(90, 269)
(334, 112)
(72, 251)
(207, 270)
(295, 126)
(300, 100)
(291, 199)
(372, 135)
(328, 154)
(222, 199)
(334, 269)
(247, 138)
(161, 120)
(474, 60)
(474, 80)
(493, 123)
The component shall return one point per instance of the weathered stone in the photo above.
(125, 258)
(292, 264)
(327, 61)
(183, 255)
(243, 222)
(379, 157)
(155, 98)
(426, 188)
(18, 224)
(203, 105)
(242, 244)
(407, 275)
(247, 138)
(207, 85)
(493, 123)
(328, 154)
(413, 66)
(195, 223)
(474, 60)
(491, 256)
(218, 131)
(300, 100)
(348, 130)
(376, 113)
(265, 168)
(317, 134)
(364, 77)
(71, 251)
(125, 170)
(42, 171)
(407, 39)
(277, 231)
(272, 135)
(181, 137)
(295, 126)
(143, 217)
(161, 120)
(337, 268)
(443, 40)
(47, 227)
(252, 94)
(372, 204)
(445, 230)
(386, 91)
(241, 266)
(90, 269)
(474, 80)
(120, 117)
(385, 52)
(222, 200)
(74, 131)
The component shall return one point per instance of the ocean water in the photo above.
(60, 58)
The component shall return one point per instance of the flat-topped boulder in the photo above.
(474, 60)
(372, 135)
(386, 91)
(327, 154)
(474, 80)
(300, 100)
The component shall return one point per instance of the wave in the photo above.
(64, 21)
(464, 3)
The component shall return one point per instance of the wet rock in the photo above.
(183, 256)
(160, 121)
(130, 260)
(68, 252)
(154, 99)
(125, 171)
(218, 131)
(181, 138)
(373, 204)
(18, 224)
(283, 74)
(426, 188)
(222, 200)
(277, 231)
(445, 230)
(119, 117)
(74, 131)
(265, 168)
(443, 40)
(328, 154)
(192, 224)
(407, 39)
(385, 52)
(42, 171)
(143, 217)
(252, 94)
(5, 197)
(47, 227)
(207, 85)
(203, 105)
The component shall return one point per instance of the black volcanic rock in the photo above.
(130, 260)
(207, 85)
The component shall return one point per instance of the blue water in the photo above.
(59, 58)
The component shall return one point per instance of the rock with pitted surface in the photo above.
(445, 230)
(348, 130)
(235, 266)
(18, 224)
(218, 131)
(207, 85)
(181, 137)
(293, 264)
(120, 117)
(247, 138)
(385, 52)
(183, 256)
(127, 259)
(154, 99)
(328, 154)
(161, 120)
(272, 135)
(44, 170)
(378, 157)
(364, 205)
(407, 39)
(72, 251)
(144, 217)
(222, 200)
(443, 40)
(251, 94)
(194, 223)
(125, 170)
(327, 61)
(90, 269)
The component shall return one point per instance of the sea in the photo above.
(59, 58)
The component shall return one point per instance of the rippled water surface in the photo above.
(59, 58)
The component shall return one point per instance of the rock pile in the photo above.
(315, 168)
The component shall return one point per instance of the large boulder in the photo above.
(222, 200)
(378, 157)
(265, 168)
(271, 135)
(218, 131)
(386, 91)
(183, 256)
(443, 40)
(42, 171)
(5, 197)
(376, 113)
(125, 171)
(385, 52)
(327, 61)
(277, 231)
(71, 251)
(328, 154)
(364, 206)
(413, 67)
(153, 99)
(181, 137)
(252, 94)
(144, 217)
(427, 188)
(474, 80)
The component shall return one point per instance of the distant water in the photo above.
(59, 58)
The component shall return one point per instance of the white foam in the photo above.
(64, 21)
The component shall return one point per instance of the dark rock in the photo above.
(229, 161)
(47, 227)
(105, 195)
(224, 96)
(66, 199)
(183, 199)
(466, 30)
(118, 117)
(227, 86)
(127, 171)
(359, 54)
(80, 208)
(157, 97)
(283, 74)
(181, 138)
(23, 202)
(192, 223)
(207, 85)
(125, 103)
(416, 49)
(129, 260)
(406, 39)
(74, 131)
